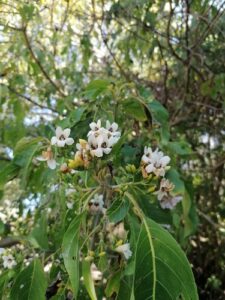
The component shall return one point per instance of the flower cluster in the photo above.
(101, 139)
(154, 162)
(8, 260)
(96, 205)
(166, 200)
(157, 163)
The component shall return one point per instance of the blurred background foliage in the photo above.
(168, 55)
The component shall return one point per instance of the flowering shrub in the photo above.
(109, 201)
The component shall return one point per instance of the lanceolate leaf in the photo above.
(161, 270)
(70, 252)
(30, 284)
(118, 210)
(88, 281)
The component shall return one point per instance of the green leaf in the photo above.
(38, 236)
(70, 252)
(118, 210)
(135, 109)
(30, 284)
(96, 87)
(159, 112)
(88, 281)
(76, 115)
(174, 177)
(181, 148)
(158, 254)
(8, 173)
(113, 284)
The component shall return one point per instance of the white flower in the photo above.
(69, 205)
(170, 201)
(95, 126)
(96, 204)
(95, 273)
(125, 250)
(100, 139)
(62, 137)
(154, 161)
(8, 261)
(112, 128)
(48, 157)
(165, 188)
(101, 145)
(2, 250)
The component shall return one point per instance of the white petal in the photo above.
(41, 158)
(150, 168)
(164, 160)
(54, 140)
(51, 164)
(98, 152)
(58, 132)
(114, 126)
(61, 143)
(145, 159)
(108, 125)
(93, 126)
(107, 150)
(66, 132)
(78, 146)
(69, 141)
(99, 123)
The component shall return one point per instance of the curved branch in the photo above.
(40, 65)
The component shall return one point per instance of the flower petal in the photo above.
(61, 143)
(54, 140)
(165, 160)
(69, 141)
(58, 132)
(98, 152)
(150, 168)
(66, 132)
(51, 164)
(41, 158)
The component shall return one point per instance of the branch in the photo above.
(28, 98)
(40, 65)
(9, 242)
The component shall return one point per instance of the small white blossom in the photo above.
(69, 205)
(125, 250)
(95, 273)
(170, 201)
(165, 188)
(154, 162)
(96, 204)
(62, 137)
(8, 261)
(48, 157)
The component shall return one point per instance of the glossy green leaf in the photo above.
(30, 284)
(118, 210)
(162, 270)
(70, 252)
(134, 109)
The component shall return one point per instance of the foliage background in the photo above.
(171, 51)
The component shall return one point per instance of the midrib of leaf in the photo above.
(32, 278)
(142, 216)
